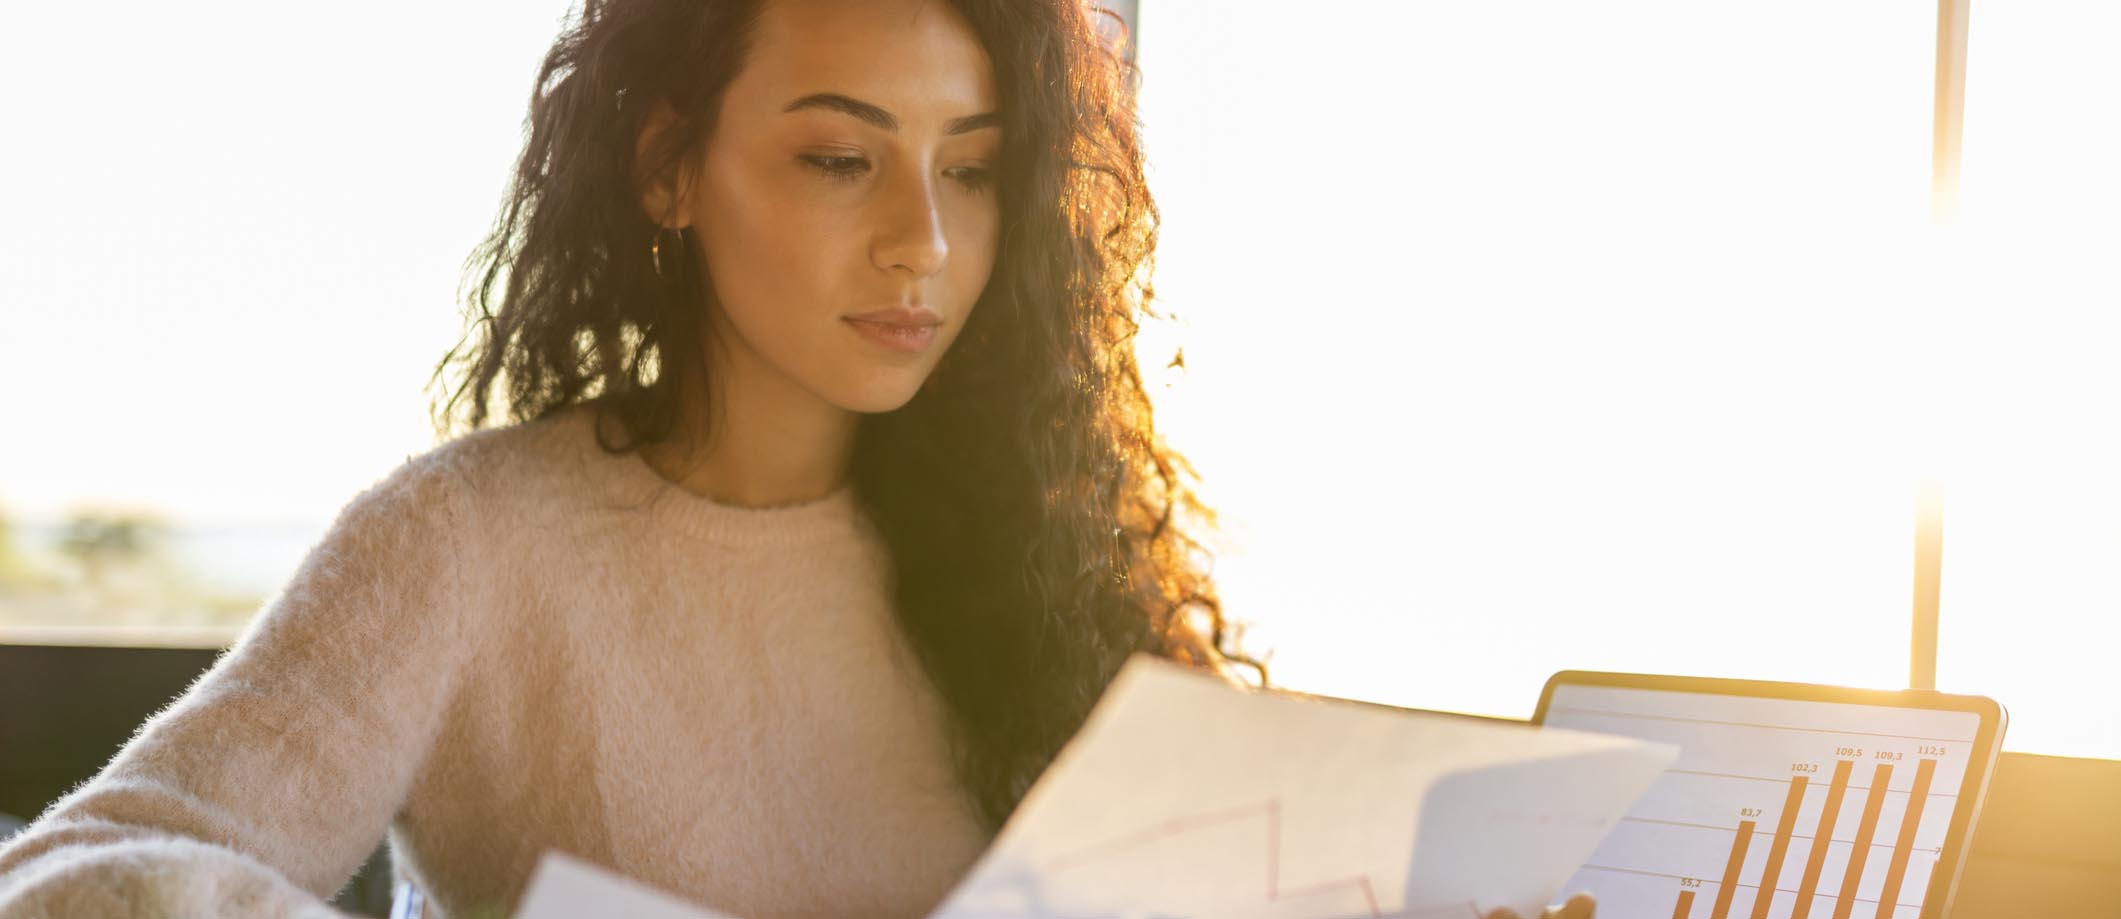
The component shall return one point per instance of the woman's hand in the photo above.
(1579, 906)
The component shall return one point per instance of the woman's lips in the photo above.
(901, 315)
(901, 337)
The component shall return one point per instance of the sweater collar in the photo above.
(835, 515)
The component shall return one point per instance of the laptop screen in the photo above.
(1776, 808)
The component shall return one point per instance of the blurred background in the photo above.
(1517, 336)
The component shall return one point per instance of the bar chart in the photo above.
(1776, 809)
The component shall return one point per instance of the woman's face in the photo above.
(848, 176)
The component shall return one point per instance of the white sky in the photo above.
(1521, 336)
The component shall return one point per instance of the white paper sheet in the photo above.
(565, 887)
(1185, 797)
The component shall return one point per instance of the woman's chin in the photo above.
(880, 397)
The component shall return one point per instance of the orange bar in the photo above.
(1686, 905)
(1916, 799)
(1730, 871)
(1821, 839)
(1872, 804)
(1772, 874)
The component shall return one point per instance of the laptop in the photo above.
(1788, 800)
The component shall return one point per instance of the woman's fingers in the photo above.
(1580, 906)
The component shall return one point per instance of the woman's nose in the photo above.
(912, 234)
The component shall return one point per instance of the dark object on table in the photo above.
(68, 708)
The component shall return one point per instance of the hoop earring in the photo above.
(655, 248)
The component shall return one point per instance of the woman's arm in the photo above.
(260, 791)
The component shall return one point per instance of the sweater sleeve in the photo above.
(261, 789)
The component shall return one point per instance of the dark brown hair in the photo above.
(1039, 528)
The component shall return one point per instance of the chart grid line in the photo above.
(1725, 829)
(1681, 877)
(1778, 781)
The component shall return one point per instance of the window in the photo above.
(1529, 337)
(2031, 602)
(233, 239)
(1516, 336)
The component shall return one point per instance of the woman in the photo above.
(829, 504)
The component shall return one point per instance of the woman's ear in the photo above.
(661, 174)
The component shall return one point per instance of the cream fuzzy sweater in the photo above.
(516, 642)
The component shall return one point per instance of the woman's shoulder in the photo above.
(543, 460)
(490, 480)
(516, 449)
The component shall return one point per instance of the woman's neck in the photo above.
(769, 442)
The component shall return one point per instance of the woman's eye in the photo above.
(976, 178)
(848, 168)
(838, 167)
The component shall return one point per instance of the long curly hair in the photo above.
(1039, 529)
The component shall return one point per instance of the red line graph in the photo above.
(1269, 813)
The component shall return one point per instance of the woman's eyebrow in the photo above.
(847, 105)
